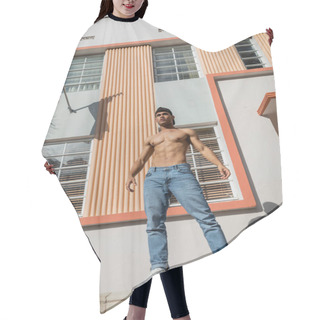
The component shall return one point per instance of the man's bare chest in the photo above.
(169, 138)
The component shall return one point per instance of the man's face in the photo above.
(164, 118)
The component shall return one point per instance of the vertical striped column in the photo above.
(262, 39)
(228, 60)
(222, 61)
(125, 119)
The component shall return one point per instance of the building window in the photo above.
(250, 54)
(84, 73)
(214, 188)
(175, 63)
(70, 160)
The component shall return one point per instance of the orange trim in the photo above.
(131, 43)
(172, 212)
(248, 197)
(265, 102)
(231, 73)
(110, 218)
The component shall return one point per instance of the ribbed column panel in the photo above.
(125, 119)
(262, 39)
(222, 61)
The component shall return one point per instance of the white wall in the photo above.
(67, 124)
(258, 144)
(189, 100)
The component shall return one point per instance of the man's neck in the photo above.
(161, 128)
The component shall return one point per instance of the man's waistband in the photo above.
(174, 167)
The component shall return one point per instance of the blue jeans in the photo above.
(179, 180)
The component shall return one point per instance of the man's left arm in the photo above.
(207, 153)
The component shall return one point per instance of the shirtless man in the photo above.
(170, 173)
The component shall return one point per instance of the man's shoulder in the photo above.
(149, 139)
(189, 131)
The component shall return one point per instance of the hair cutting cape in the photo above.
(122, 71)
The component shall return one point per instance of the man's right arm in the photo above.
(146, 153)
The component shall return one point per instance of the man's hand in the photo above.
(128, 183)
(225, 173)
(49, 168)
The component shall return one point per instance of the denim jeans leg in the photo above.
(156, 203)
(188, 192)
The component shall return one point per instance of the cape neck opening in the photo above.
(113, 17)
